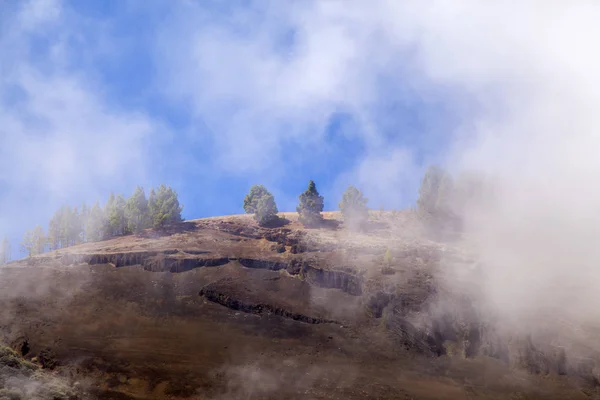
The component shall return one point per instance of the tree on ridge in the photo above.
(310, 206)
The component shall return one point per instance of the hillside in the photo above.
(220, 308)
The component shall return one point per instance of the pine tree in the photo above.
(260, 202)
(34, 242)
(83, 219)
(116, 216)
(5, 251)
(55, 230)
(164, 207)
(266, 210)
(136, 211)
(310, 207)
(74, 227)
(152, 206)
(108, 209)
(27, 244)
(437, 193)
(251, 199)
(354, 207)
(429, 190)
(38, 240)
(65, 223)
(95, 224)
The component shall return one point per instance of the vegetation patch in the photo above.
(21, 379)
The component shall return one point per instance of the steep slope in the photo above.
(219, 309)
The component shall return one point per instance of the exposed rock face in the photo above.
(263, 264)
(150, 261)
(333, 279)
(212, 293)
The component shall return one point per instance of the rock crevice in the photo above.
(216, 296)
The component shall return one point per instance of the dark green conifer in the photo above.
(310, 206)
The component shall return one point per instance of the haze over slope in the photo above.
(254, 91)
(222, 308)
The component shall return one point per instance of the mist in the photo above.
(509, 91)
(533, 139)
(522, 80)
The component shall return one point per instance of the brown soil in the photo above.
(214, 309)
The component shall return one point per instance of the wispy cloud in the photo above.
(273, 75)
(60, 139)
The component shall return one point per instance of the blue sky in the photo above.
(212, 97)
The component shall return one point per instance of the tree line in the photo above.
(441, 197)
(119, 216)
(260, 202)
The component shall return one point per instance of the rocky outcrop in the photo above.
(212, 293)
(326, 278)
(150, 261)
(333, 279)
(177, 261)
(412, 338)
(436, 325)
(263, 264)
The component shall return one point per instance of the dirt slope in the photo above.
(219, 308)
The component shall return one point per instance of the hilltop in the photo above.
(221, 308)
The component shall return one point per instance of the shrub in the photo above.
(10, 358)
(387, 258)
(11, 394)
(387, 261)
(278, 247)
(387, 270)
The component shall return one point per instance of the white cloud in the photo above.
(260, 94)
(385, 176)
(60, 139)
(38, 12)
